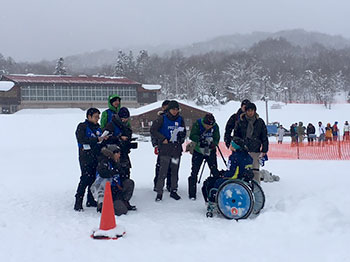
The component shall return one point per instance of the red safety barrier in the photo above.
(337, 150)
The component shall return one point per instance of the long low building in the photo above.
(58, 91)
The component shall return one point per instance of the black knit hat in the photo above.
(124, 112)
(209, 119)
(250, 106)
(173, 104)
(245, 102)
(165, 102)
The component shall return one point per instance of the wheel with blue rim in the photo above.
(235, 200)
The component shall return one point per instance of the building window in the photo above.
(76, 93)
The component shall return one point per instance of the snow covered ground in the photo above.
(306, 216)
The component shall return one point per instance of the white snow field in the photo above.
(306, 216)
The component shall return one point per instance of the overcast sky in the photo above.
(32, 30)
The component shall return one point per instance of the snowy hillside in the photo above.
(306, 216)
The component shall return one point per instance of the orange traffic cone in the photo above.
(108, 227)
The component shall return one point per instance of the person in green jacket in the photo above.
(205, 134)
(113, 108)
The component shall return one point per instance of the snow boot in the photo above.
(174, 195)
(159, 197)
(99, 207)
(129, 206)
(78, 205)
(90, 202)
(192, 187)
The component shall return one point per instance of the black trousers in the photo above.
(122, 196)
(168, 178)
(87, 178)
(197, 160)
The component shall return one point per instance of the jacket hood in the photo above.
(108, 153)
(110, 106)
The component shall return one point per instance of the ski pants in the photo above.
(256, 172)
(87, 178)
(122, 196)
(119, 196)
(197, 160)
(168, 177)
(167, 162)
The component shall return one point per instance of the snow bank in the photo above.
(306, 216)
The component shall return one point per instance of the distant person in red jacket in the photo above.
(346, 131)
(335, 131)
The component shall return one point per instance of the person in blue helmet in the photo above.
(239, 166)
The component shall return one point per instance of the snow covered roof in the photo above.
(152, 87)
(158, 104)
(64, 79)
(6, 85)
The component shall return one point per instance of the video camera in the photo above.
(204, 142)
(129, 144)
(133, 145)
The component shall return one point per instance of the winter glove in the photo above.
(212, 146)
(227, 141)
(156, 150)
(262, 159)
(117, 182)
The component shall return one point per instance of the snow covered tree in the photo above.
(142, 61)
(60, 68)
(323, 86)
(193, 81)
(120, 67)
(241, 77)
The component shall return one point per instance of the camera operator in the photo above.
(205, 133)
(170, 131)
(120, 135)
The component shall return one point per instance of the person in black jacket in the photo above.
(89, 139)
(252, 129)
(231, 123)
(310, 132)
(155, 145)
(121, 135)
(109, 169)
(170, 131)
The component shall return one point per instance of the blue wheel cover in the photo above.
(234, 201)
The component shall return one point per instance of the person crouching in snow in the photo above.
(109, 169)
(240, 165)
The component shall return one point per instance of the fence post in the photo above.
(298, 148)
(339, 149)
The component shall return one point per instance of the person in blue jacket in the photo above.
(170, 131)
(89, 139)
(239, 166)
